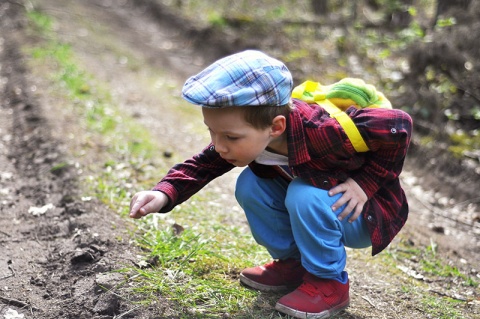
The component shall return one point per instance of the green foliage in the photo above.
(41, 22)
(214, 18)
(462, 142)
(295, 55)
(475, 111)
(447, 22)
(58, 167)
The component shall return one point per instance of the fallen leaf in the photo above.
(37, 211)
(177, 229)
(13, 314)
(411, 272)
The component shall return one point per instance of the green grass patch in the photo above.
(427, 262)
(424, 267)
(188, 269)
(125, 144)
(442, 308)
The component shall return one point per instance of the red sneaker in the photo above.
(316, 298)
(278, 275)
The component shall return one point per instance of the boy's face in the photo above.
(237, 141)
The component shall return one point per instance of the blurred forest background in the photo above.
(89, 88)
(423, 54)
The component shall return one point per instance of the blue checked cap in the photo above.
(246, 78)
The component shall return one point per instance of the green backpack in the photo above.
(337, 97)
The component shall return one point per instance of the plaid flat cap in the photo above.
(242, 79)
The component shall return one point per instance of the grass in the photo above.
(197, 268)
(188, 269)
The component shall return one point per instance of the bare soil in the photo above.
(54, 264)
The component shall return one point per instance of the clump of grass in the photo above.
(187, 268)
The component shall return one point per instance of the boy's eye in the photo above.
(232, 138)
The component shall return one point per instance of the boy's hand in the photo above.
(146, 202)
(354, 195)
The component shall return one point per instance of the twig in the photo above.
(126, 313)
(461, 298)
(467, 202)
(12, 270)
(18, 3)
(443, 213)
(5, 277)
(369, 301)
(6, 234)
(15, 240)
(16, 303)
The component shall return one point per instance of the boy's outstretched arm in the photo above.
(353, 196)
(147, 202)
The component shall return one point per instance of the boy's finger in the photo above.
(134, 199)
(346, 211)
(137, 204)
(342, 215)
(337, 189)
(340, 202)
(354, 216)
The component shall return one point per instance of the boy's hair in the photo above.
(261, 117)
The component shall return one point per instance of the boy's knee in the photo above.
(304, 197)
(299, 194)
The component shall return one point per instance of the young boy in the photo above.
(306, 192)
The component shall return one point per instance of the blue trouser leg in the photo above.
(295, 220)
(263, 201)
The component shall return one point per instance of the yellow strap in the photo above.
(347, 124)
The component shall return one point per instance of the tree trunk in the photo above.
(401, 18)
(319, 7)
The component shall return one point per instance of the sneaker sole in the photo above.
(307, 315)
(267, 288)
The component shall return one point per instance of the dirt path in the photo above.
(53, 262)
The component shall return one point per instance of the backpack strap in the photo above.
(347, 124)
(314, 92)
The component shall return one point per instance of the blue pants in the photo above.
(295, 220)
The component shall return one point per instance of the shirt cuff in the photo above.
(367, 183)
(171, 193)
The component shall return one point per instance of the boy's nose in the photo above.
(219, 147)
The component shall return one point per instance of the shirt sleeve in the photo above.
(185, 179)
(387, 134)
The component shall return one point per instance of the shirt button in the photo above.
(325, 183)
(370, 218)
(393, 130)
(212, 148)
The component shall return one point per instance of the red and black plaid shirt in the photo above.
(320, 152)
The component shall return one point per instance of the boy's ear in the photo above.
(279, 125)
